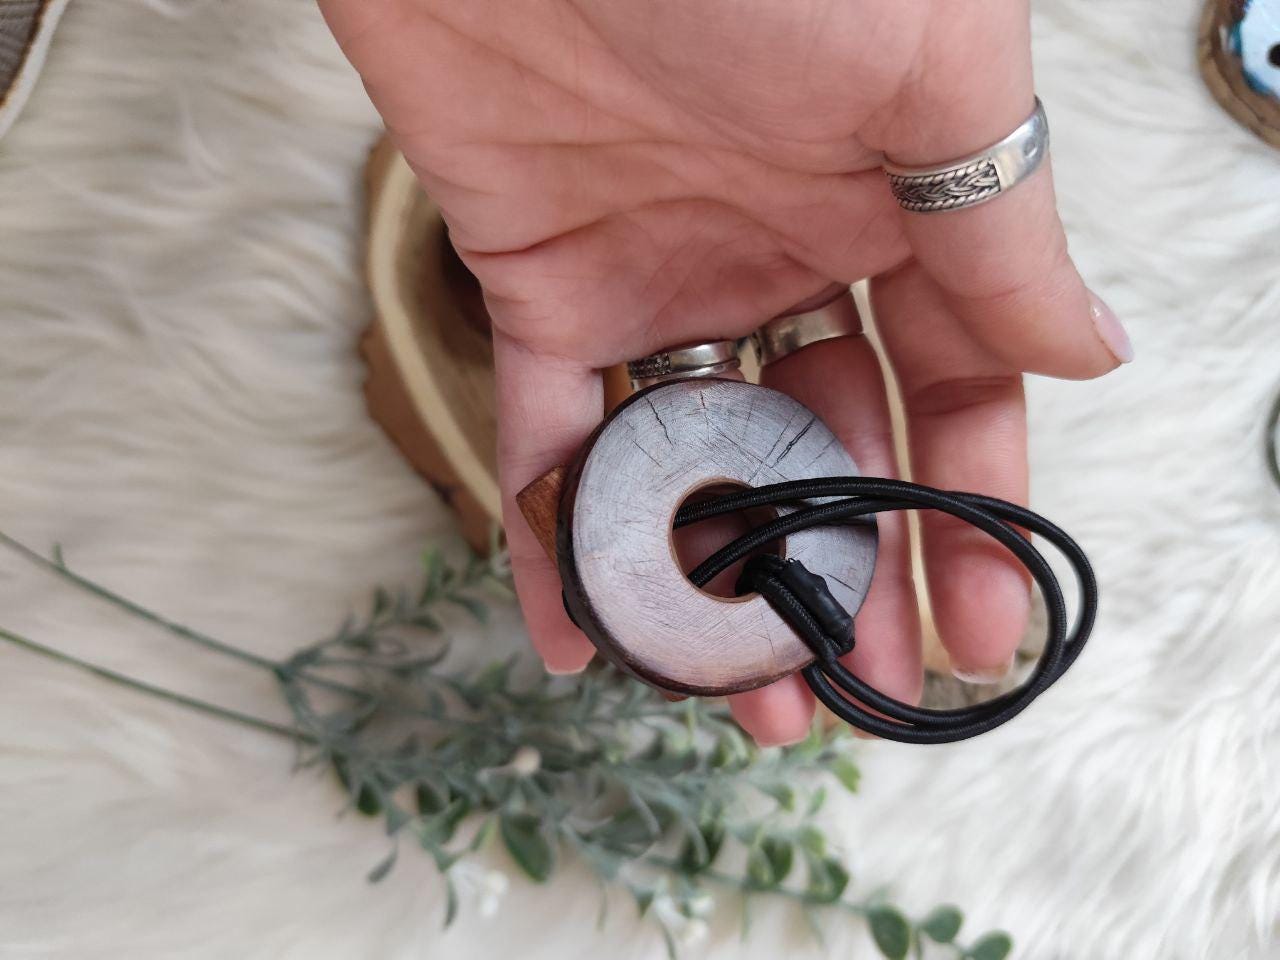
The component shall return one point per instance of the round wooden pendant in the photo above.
(623, 583)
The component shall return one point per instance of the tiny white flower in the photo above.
(686, 925)
(701, 904)
(667, 913)
(493, 889)
(526, 762)
(480, 889)
(695, 931)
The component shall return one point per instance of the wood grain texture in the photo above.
(429, 352)
(623, 583)
(539, 502)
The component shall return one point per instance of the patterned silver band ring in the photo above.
(977, 178)
(710, 359)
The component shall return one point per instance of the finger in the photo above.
(546, 408)
(1003, 266)
(776, 715)
(840, 380)
(967, 426)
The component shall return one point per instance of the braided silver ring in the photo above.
(977, 178)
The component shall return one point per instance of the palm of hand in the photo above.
(624, 176)
(671, 176)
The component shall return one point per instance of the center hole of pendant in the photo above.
(695, 543)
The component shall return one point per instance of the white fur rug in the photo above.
(180, 294)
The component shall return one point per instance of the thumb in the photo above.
(1002, 266)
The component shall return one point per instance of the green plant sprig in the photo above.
(667, 801)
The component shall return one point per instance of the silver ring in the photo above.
(711, 359)
(977, 178)
(783, 336)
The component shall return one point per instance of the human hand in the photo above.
(626, 176)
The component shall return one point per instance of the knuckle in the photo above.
(955, 394)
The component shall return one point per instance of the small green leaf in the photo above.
(634, 829)
(494, 678)
(367, 801)
(827, 879)
(481, 835)
(445, 859)
(782, 793)
(670, 943)
(606, 863)
(439, 828)
(363, 795)
(992, 946)
(943, 923)
(695, 856)
(891, 931)
(644, 898)
(811, 744)
(813, 922)
(397, 817)
(433, 567)
(730, 750)
(382, 869)
(816, 801)
(759, 871)
(527, 843)
(780, 855)
(846, 772)
(431, 797)
(470, 604)
(812, 841)
(450, 903)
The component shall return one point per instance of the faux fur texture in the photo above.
(180, 293)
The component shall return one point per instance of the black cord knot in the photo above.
(803, 599)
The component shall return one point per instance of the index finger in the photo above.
(1002, 266)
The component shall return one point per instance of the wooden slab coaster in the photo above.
(429, 352)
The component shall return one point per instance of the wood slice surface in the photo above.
(622, 579)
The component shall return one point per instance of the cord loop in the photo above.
(806, 605)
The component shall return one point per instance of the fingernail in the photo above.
(765, 742)
(1110, 329)
(982, 674)
(559, 671)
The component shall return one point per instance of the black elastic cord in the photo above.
(863, 497)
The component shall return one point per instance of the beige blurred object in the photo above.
(26, 29)
(935, 655)
(429, 351)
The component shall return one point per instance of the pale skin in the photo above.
(624, 175)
